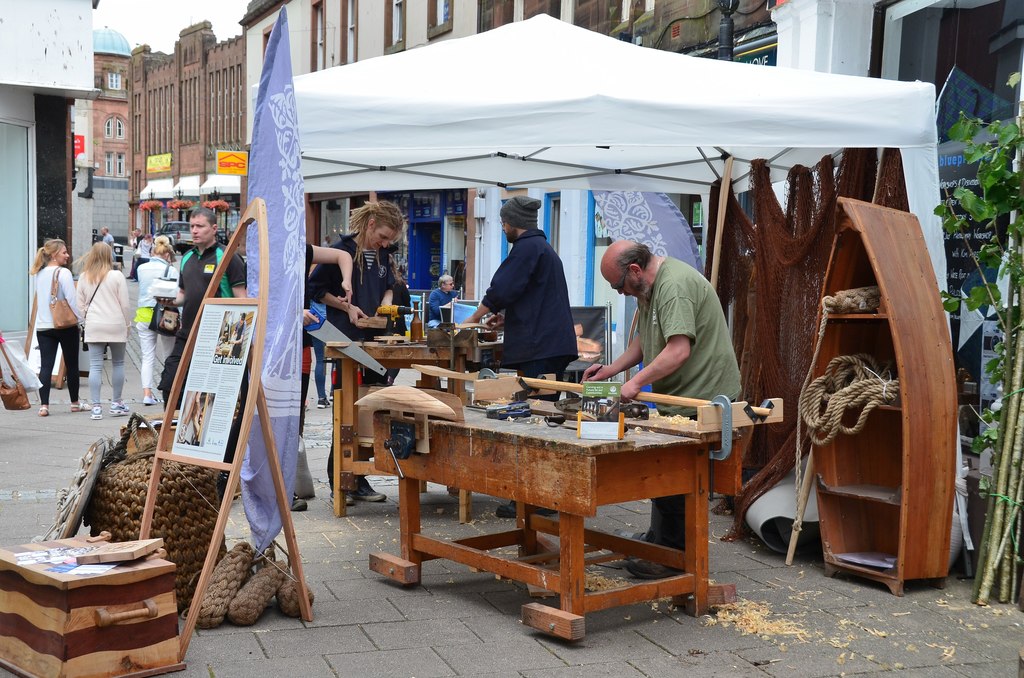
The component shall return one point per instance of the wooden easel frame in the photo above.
(255, 212)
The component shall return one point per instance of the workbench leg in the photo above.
(465, 506)
(695, 555)
(529, 546)
(409, 516)
(571, 566)
(345, 433)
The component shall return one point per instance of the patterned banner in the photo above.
(275, 176)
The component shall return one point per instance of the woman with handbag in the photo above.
(154, 340)
(103, 300)
(56, 322)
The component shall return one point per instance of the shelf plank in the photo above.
(879, 493)
(847, 317)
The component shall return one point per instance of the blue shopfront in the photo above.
(436, 235)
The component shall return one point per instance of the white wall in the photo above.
(829, 36)
(46, 44)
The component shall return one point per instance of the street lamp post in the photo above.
(725, 28)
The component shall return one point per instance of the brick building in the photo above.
(101, 145)
(184, 107)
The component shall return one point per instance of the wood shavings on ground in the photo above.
(597, 582)
(752, 617)
(877, 633)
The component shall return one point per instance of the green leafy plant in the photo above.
(998, 149)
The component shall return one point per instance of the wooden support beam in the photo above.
(554, 621)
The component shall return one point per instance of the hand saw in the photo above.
(328, 333)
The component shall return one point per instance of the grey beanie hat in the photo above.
(520, 212)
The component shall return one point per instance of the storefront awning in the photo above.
(222, 183)
(158, 189)
(187, 185)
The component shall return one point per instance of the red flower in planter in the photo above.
(217, 205)
(151, 206)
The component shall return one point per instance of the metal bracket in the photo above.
(726, 405)
(346, 434)
(401, 443)
(749, 410)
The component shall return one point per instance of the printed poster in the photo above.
(214, 380)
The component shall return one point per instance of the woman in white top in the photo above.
(103, 300)
(153, 344)
(51, 260)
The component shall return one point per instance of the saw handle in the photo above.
(658, 398)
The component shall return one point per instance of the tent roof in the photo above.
(544, 103)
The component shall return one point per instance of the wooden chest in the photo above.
(122, 622)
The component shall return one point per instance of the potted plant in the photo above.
(151, 206)
(998, 149)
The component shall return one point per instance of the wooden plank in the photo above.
(393, 567)
(120, 551)
(553, 621)
(406, 399)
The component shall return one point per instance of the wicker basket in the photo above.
(185, 514)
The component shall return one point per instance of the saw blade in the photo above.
(328, 333)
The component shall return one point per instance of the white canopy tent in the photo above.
(544, 103)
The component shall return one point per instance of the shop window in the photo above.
(494, 13)
(532, 8)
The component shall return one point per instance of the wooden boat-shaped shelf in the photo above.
(888, 490)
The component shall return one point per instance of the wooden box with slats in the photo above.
(122, 622)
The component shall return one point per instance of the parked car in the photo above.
(179, 233)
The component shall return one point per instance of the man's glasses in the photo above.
(622, 281)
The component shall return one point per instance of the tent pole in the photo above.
(723, 198)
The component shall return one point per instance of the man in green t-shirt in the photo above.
(686, 350)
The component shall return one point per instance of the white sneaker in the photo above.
(150, 400)
(97, 412)
(119, 409)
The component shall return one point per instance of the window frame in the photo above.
(391, 24)
(115, 82)
(435, 27)
(317, 36)
(108, 128)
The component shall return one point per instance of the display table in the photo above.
(352, 459)
(541, 466)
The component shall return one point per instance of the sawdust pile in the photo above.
(674, 420)
(753, 617)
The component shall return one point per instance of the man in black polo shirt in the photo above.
(197, 267)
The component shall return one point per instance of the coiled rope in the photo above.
(849, 382)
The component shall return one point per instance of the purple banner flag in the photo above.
(275, 175)
(652, 219)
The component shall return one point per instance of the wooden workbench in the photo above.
(541, 466)
(350, 458)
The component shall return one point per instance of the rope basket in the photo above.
(185, 512)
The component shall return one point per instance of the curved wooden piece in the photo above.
(406, 399)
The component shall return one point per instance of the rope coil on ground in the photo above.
(249, 603)
(228, 577)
